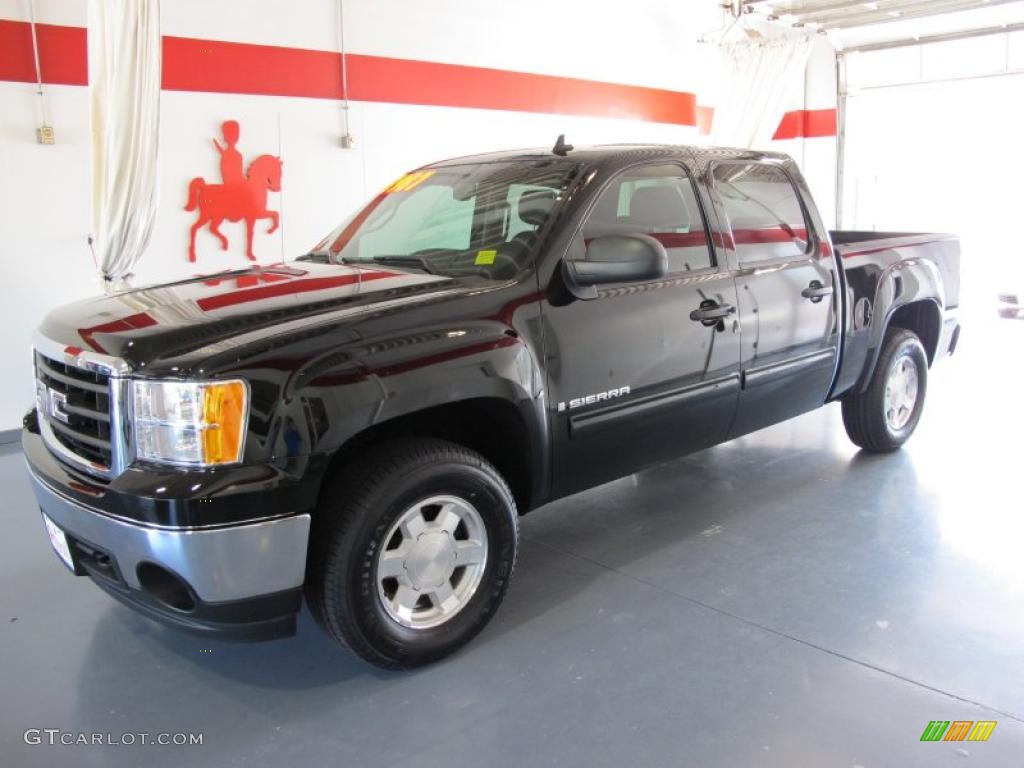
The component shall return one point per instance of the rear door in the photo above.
(785, 280)
(633, 380)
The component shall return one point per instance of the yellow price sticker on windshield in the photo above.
(410, 181)
(485, 257)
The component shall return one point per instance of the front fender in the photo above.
(336, 395)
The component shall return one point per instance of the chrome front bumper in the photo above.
(220, 564)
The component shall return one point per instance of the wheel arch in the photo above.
(909, 295)
(924, 318)
(492, 426)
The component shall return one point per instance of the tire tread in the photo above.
(351, 497)
(863, 412)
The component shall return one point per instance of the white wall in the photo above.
(932, 146)
(45, 200)
(817, 155)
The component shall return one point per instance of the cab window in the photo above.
(655, 200)
(763, 211)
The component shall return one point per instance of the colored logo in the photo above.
(240, 196)
(958, 730)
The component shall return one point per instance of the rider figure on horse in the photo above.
(242, 195)
(231, 171)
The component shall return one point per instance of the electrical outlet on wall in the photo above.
(45, 134)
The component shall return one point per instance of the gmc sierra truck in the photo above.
(362, 427)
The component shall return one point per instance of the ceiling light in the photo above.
(871, 6)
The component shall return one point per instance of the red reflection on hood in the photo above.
(132, 322)
(232, 298)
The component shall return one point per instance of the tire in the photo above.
(872, 422)
(358, 533)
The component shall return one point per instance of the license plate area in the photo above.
(60, 543)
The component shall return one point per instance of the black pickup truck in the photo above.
(364, 425)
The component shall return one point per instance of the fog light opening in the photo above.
(166, 587)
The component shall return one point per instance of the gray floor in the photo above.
(780, 600)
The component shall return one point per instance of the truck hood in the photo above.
(183, 323)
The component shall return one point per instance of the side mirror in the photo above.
(616, 259)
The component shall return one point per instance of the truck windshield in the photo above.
(477, 219)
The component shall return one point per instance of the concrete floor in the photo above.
(779, 600)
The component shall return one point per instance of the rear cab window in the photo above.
(763, 211)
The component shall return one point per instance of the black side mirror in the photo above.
(616, 259)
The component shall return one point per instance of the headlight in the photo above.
(190, 422)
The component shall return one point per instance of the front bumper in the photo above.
(239, 582)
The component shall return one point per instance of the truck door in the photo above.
(645, 371)
(785, 282)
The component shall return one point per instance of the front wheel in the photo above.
(884, 416)
(411, 552)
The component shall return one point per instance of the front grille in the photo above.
(86, 432)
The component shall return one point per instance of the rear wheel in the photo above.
(411, 552)
(884, 416)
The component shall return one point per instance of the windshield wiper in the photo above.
(416, 262)
(320, 257)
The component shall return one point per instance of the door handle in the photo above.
(711, 312)
(816, 291)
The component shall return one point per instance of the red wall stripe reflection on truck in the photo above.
(302, 285)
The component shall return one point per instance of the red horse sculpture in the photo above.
(234, 202)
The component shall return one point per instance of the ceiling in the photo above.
(843, 14)
(851, 24)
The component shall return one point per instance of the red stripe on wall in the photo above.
(806, 123)
(217, 66)
(705, 117)
(62, 57)
(401, 81)
(810, 123)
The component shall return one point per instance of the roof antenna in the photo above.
(561, 148)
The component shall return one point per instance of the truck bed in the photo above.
(943, 250)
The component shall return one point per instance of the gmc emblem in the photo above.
(51, 402)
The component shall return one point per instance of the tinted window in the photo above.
(525, 198)
(656, 200)
(763, 210)
(473, 219)
(431, 218)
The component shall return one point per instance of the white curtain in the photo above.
(124, 102)
(757, 80)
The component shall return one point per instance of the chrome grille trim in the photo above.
(96, 442)
(77, 357)
(80, 369)
(71, 381)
